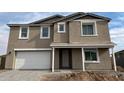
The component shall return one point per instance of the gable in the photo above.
(71, 16)
(92, 16)
(82, 15)
(87, 17)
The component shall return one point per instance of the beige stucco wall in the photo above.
(75, 33)
(9, 61)
(61, 37)
(34, 41)
(105, 61)
(56, 59)
(76, 59)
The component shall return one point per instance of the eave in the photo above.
(11, 25)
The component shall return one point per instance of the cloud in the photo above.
(4, 34)
(26, 17)
(121, 18)
(30, 17)
(117, 36)
(115, 23)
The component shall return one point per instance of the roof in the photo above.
(107, 45)
(57, 18)
(121, 51)
(93, 15)
(77, 15)
(47, 18)
(28, 25)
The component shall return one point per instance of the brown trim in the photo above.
(10, 25)
(47, 18)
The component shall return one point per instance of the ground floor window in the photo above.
(91, 55)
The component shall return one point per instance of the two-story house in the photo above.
(79, 41)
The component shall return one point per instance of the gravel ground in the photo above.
(1, 71)
(33, 75)
(20, 75)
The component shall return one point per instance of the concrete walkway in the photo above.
(22, 75)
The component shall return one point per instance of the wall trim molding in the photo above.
(31, 49)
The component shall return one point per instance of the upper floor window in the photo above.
(61, 27)
(88, 29)
(91, 55)
(45, 32)
(24, 33)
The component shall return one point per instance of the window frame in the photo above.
(97, 54)
(88, 22)
(41, 31)
(20, 32)
(61, 23)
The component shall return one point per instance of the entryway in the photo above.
(65, 58)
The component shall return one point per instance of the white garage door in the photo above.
(33, 60)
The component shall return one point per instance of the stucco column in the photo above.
(114, 61)
(53, 57)
(83, 64)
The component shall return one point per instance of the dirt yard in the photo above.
(119, 68)
(84, 76)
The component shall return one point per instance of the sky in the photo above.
(116, 27)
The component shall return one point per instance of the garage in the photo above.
(32, 60)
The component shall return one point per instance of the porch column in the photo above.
(83, 64)
(53, 53)
(114, 61)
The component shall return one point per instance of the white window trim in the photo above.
(21, 32)
(63, 23)
(89, 22)
(98, 58)
(41, 31)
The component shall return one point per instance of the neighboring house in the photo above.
(120, 58)
(79, 41)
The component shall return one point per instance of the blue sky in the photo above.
(116, 25)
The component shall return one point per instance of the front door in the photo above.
(65, 59)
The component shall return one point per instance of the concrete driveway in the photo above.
(22, 75)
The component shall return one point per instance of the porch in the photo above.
(77, 58)
(67, 59)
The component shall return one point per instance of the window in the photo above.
(61, 27)
(24, 33)
(88, 29)
(45, 32)
(91, 55)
